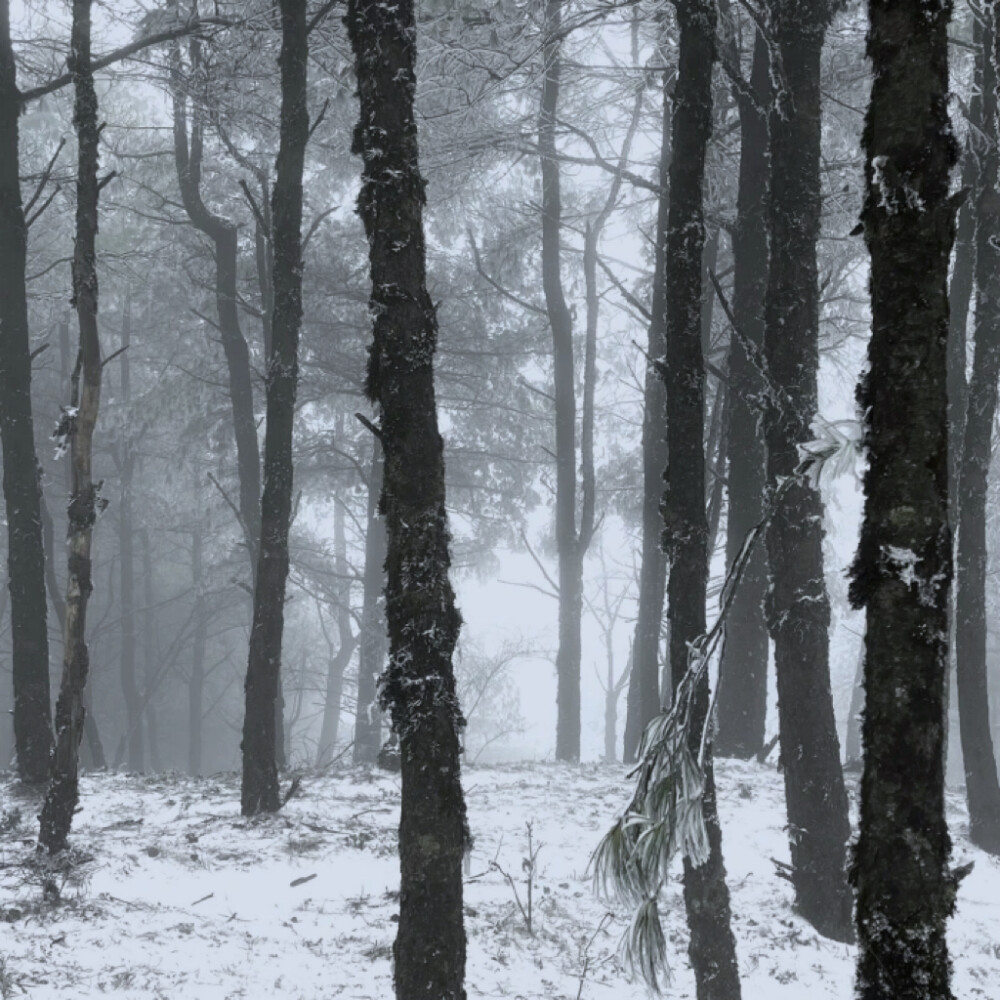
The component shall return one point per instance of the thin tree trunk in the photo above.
(260, 774)
(347, 639)
(63, 791)
(150, 654)
(126, 469)
(571, 544)
(371, 657)
(423, 622)
(643, 702)
(981, 784)
(188, 159)
(963, 277)
(712, 949)
(799, 612)
(21, 484)
(902, 573)
(196, 685)
(742, 702)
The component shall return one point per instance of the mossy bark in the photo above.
(902, 573)
(418, 688)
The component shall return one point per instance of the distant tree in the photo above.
(978, 754)
(418, 688)
(260, 775)
(80, 420)
(798, 603)
(21, 486)
(902, 573)
(742, 704)
(572, 539)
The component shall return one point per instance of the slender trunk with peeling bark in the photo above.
(63, 791)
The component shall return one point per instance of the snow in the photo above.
(182, 896)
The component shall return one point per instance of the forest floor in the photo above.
(174, 894)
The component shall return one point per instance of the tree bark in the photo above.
(63, 791)
(260, 772)
(371, 656)
(712, 948)
(742, 702)
(571, 543)
(981, 784)
(799, 608)
(423, 622)
(902, 573)
(21, 484)
(149, 656)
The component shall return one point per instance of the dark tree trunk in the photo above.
(742, 703)
(346, 639)
(372, 653)
(222, 233)
(643, 700)
(799, 608)
(981, 784)
(196, 685)
(712, 949)
(902, 573)
(571, 544)
(126, 468)
(21, 485)
(63, 791)
(260, 772)
(423, 622)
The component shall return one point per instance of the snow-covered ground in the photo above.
(177, 895)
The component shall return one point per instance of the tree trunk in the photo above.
(126, 469)
(222, 233)
(742, 702)
(347, 639)
(902, 573)
(149, 655)
(712, 948)
(643, 701)
(371, 657)
(63, 791)
(196, 686)
(963, 277)
(260, 773)
(423, 622)
(571, 544)
(21, 484)
(799, 611)
(981, 784)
